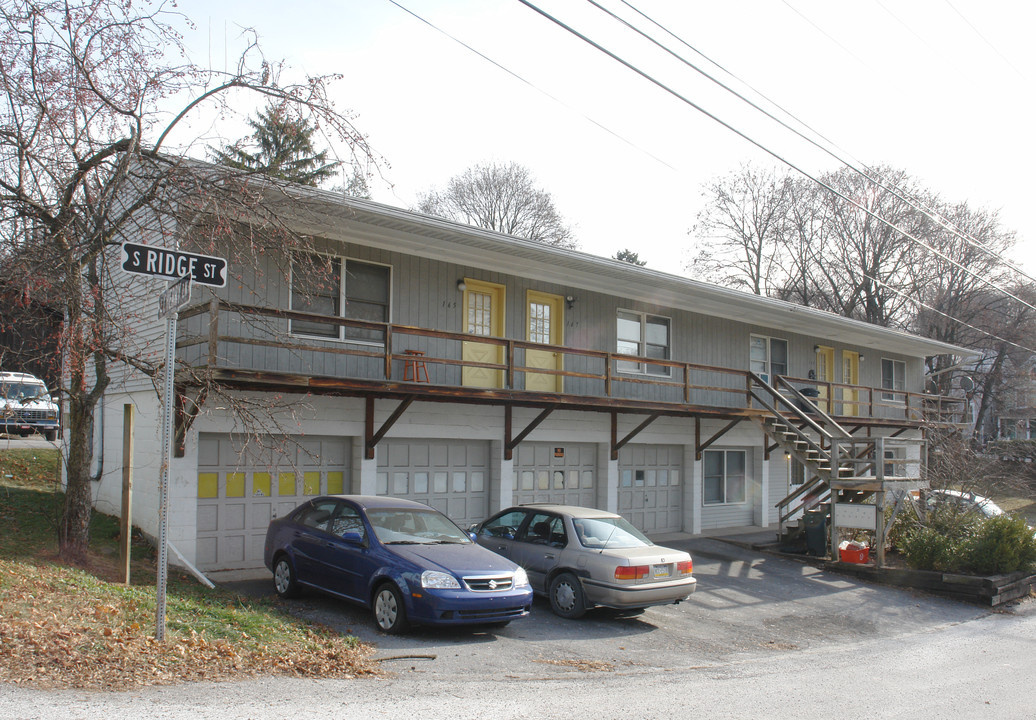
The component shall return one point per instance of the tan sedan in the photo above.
(581, 557)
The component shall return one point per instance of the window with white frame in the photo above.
(768, 356)
(337, 286)
(723, 477)
(893, 374)
(645, 336)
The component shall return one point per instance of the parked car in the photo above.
(26, 407)
(581, 557)
(962, 502)
(407, 562)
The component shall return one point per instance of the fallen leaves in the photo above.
(55, 634)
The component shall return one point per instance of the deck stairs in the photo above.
(834, 460)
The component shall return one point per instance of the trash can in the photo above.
(815, 524)
(812, 393)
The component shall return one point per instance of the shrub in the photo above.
(1001, 544)
(927, 548)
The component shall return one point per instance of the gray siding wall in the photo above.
(424, 294)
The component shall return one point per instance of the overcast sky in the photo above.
(939, 88)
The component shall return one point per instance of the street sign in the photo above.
(175, 297)
(173, 264)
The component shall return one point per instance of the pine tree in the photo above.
(281, 146)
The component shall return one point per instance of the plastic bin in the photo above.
(853, 553)
(815, 524)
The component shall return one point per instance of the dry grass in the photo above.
(77, 627)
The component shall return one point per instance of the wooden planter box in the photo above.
(991, 590)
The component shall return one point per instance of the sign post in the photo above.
(184, 268)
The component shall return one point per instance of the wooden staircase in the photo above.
(836, 463)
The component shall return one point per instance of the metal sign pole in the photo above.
(176, 296)
(168, 404)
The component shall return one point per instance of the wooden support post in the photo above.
(126, 521)
(368, 432)
(508, 449)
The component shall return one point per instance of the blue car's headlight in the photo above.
(439, 580)
(521, 579)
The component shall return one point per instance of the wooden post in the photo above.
(126, 522)
(879, 501)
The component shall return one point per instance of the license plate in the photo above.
(660, 570)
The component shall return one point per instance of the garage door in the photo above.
(546, 472)
(451, 476)
(650, 494)
(240, 489)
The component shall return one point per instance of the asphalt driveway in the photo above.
(748, 604)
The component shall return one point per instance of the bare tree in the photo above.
(741, 230)
(84, 165)
(500, 197)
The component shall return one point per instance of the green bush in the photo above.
(1001, 544)
(927, 548)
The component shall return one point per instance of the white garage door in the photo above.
(240, 489)
(556, 473)
(452, 476)
(650, 493)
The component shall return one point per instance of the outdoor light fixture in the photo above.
(816, 348)
(570, 301)
(461, 285)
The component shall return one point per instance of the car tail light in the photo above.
(685, 568)
(631, 572)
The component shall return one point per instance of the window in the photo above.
(327, 284)
(893, 373)
(645, 336)
(768, 357)
(723, 481)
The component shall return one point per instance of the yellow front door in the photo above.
(825, 374)
(483, 315)
(850, 376)
(543, 325)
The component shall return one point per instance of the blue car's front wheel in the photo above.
(389, 612)
(284, 581)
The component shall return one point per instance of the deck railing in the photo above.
(208, 332)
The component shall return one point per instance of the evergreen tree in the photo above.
(281, 145)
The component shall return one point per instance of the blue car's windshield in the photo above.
(601, 533)
(402, 526)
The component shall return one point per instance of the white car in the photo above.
(26, 406)
(963, 501)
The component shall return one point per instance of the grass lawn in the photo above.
(63, 626)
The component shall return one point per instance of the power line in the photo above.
(766, 149)
(918, 205)
(530, 84)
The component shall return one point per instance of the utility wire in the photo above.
(764, 148)
(924, 305)
(932, 214)
(530, 84)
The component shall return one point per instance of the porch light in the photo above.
(570, 301)
(461, 285)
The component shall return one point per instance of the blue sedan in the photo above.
(405, 561)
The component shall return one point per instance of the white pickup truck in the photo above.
(26, 407)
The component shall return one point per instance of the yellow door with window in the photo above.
(825, 374)
(543, 325)
(850, 376)
(483, 315)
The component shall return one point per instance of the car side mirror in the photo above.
(473, 535)
(353, 537)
